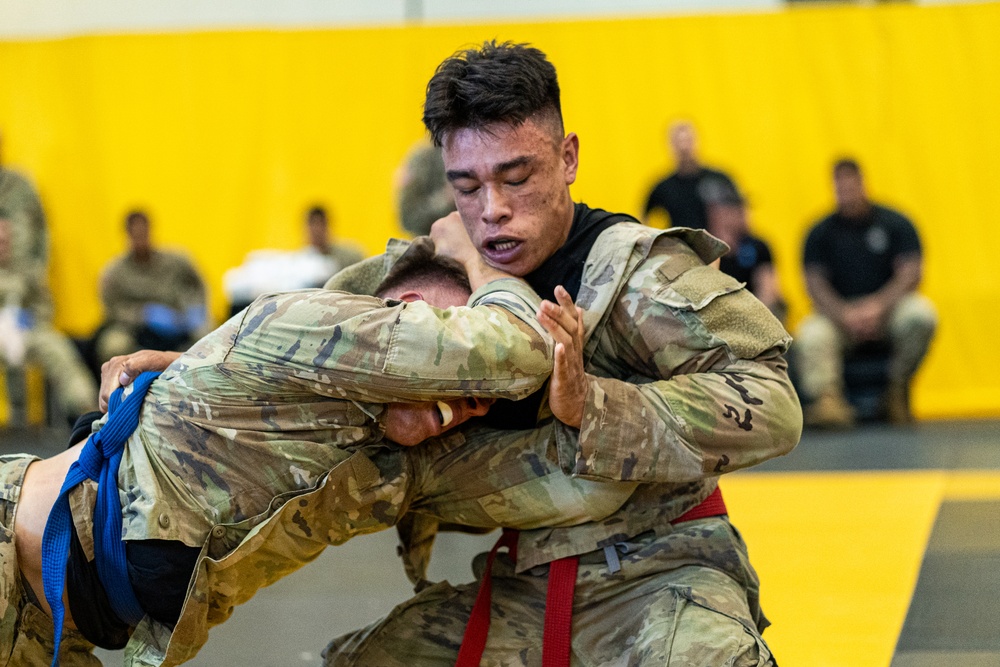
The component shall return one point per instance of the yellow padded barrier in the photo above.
(226, 137)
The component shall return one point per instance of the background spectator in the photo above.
(863, 263)
(26, 332)
(423, 192)
(29, 237)
(265, 271)
(681, 195)
(749, 258)
(152, 298)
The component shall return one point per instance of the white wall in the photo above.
(49, 18)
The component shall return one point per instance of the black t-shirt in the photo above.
(564, 267)
(858, 256)
(744, 261)
(683, 196)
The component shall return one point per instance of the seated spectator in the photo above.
(29, 234)
(27, 334)
(862, 266)
(153, 299)
(340, 255)
(266, 271)
(679, 199)
(423, 192)
(749, 258)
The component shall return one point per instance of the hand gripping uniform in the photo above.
(687, 381)
(263, 444)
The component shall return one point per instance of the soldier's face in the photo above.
(850, 191)
(512, 190)
(411, 423)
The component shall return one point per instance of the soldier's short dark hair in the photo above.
(419, 265)
(506, 83)
(316, 211)
(846, 164)
(135, 216)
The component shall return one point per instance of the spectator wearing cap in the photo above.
(863, 263)
(749, 258)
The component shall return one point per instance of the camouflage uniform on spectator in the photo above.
(30, 235)
(26, 331)
(424, 194)
(128, 285)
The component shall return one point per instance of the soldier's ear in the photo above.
(411, 296)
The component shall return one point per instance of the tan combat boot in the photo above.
(897, 404)
(830, 411)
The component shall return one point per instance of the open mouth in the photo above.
(445, 414)
(502, 245)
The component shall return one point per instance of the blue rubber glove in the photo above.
(195, 317)
(25, 319)
(162, 320)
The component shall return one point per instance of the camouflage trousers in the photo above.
(820, 346)
(665, 606)
(73, 384)
(26, 632)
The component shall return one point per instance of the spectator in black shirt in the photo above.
(681, 195)
(749, 258)
(863, 264)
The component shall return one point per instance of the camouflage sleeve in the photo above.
(360, 348)
(709, 390)
(39, 298)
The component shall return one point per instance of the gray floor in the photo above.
(954, 617)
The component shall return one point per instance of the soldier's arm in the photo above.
(361, 348)
(709, 391)
(39, 299)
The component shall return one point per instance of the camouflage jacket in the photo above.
(168, 278)
(30, 234)
(24, 285)
(687, 381)
(262, 444)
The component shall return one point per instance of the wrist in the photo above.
(480, 273)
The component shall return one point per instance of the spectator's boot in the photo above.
(829, 411)
(897, 404)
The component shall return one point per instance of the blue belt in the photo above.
(99, 461)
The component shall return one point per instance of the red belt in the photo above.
(557, 635)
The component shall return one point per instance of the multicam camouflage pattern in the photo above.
(30, 235)
(662, 608)
(23, 285)
(424, 194)
(26, 633)
(168, 278)
(241, 451)
(127, 286)
(688, 381)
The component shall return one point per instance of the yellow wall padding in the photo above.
(226, 137)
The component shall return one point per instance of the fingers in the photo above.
(120, 371)
(112, 374)
(563, 320)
